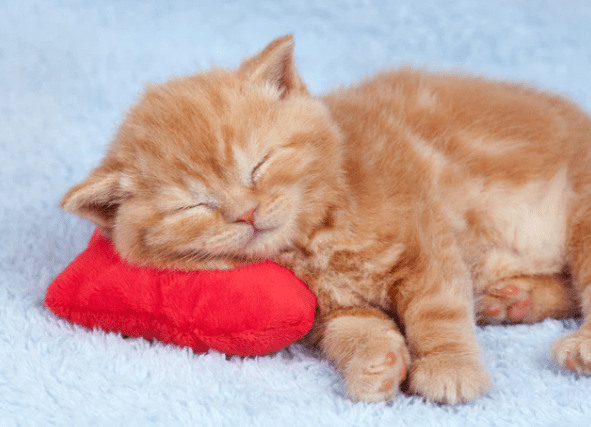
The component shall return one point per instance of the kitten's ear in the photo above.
(275, 64)
(97, 198)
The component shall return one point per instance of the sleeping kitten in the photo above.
(438, 200)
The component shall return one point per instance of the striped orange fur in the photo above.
(407, 202)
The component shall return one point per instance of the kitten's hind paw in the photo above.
(505, 301)
(528, 299)
(573, 351)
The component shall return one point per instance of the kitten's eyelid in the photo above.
(200, 197)
(184, 208)
(196, 205)
(253, 175)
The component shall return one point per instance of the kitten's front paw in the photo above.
(375, 374)
(370, 353)
(449, 378)
(573, 351)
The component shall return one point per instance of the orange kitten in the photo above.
(432, 198)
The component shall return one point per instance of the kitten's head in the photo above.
(223, 165)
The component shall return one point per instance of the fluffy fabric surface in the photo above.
(69, 71)
(250, 311)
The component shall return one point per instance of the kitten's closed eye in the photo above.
(196, 198)
(198, 205)
(259, 169)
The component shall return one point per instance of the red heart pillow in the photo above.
(248, 311)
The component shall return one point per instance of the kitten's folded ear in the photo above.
(275, 64)
(97, 198)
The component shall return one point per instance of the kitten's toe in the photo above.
(375, 374)
(449, 378)
(507, 301)
(573, 352)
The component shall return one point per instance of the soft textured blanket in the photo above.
(69, 70)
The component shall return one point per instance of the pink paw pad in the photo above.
(493, 309)
(387, 384)
(512, 303)
(391, 359)
(509, 291)
(519, 310)
(573, 365)
(570, 363)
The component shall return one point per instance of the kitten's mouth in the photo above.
(260, 239)
(259, 232)
(261, 229)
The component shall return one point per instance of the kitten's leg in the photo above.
(437, 308)
(367, 348)
(527, 299)
(574, 350)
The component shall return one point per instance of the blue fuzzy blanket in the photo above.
(69, 70)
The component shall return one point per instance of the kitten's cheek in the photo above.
(159, 239)
(279, 207)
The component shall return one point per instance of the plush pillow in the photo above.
(248, 311)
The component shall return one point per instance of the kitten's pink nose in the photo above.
(247, 217)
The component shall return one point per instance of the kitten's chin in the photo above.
(263, 244)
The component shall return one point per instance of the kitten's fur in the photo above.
(431, 198)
